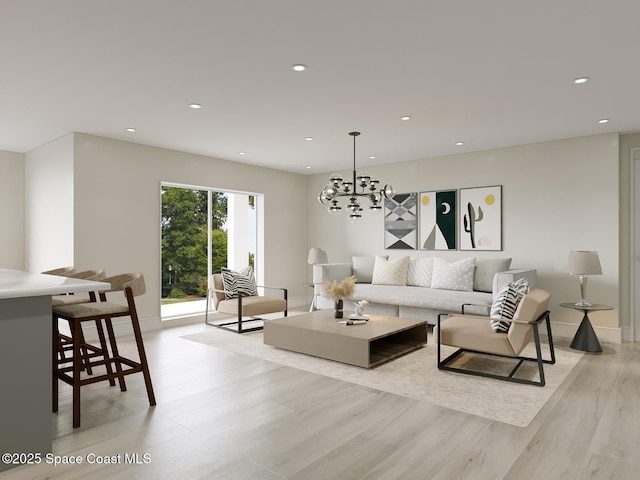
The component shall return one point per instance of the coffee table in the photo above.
(381, 339)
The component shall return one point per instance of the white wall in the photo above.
(49, 205)
(117, 210)
(11, 210)
(557, 196)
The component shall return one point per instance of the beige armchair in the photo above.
(242, 306)
(473, 334)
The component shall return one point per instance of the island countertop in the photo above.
(18, 284)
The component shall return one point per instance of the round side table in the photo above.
(585, 338)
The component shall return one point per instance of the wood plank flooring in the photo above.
(222, 415)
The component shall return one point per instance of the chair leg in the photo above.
(105, 352)
(116, 354)
(143, 358)
(77, 368)
(54, 365)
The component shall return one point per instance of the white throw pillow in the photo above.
(453, 276)
(505, 304)
(390, 272)
(420, 272)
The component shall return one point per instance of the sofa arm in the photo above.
(331, 271)
(500, 279)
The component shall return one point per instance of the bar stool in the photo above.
(62, 271)
(65, 342)
(132, 284)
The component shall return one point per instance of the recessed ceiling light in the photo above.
(298, 67)
(372, 157)
(308, 167)
(308, 139)
(406, 117)
(195, 106)
(131, 129)
(459, 143)
(580, 80)
(242, 153)
(603, 120)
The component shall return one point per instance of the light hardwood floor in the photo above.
(222, 415)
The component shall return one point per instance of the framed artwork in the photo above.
(401, 221)
(481, 218)
(438, 220)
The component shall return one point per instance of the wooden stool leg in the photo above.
(116, 355)
(143, 357)
(77, 368)
(105, 352)
(78, 336)
(54, 365)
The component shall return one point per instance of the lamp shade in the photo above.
(316, 256)
(583, 262)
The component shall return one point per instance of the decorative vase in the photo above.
(337, 313)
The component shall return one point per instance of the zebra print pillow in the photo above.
(505, 304)
(239, 283)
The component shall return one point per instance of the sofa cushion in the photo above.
(453, 276)
(420, 272)
(505, 304)
(418, 297)
(240, 282)
(363, 268)
(486, 269)
(390, 272)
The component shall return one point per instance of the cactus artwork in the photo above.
(480, 221)
(470, 222)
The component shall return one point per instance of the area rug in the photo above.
(416, 376)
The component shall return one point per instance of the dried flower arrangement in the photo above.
(339, 290)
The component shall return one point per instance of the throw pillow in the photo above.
(486, 269)
(420, 272)
(453, 276)
(363, 268)
(242, 282)
(505, 304)
(390, 272)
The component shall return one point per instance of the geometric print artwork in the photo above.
(401, 221)
(438, 220)
(481, 218)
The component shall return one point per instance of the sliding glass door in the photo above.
(202, 231)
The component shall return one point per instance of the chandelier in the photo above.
(361, 185)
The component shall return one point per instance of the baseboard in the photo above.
(605, 334)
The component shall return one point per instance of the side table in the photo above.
(585, 338)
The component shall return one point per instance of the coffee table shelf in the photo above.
(381, 339)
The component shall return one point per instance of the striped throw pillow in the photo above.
(505, 304)
(239, 283)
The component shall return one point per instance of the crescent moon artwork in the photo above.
(437, 223)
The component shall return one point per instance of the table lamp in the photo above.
(583, 263)
(317, 256)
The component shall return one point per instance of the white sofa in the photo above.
(420, 302)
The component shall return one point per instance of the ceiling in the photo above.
(490, 74)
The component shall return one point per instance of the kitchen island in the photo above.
(26, 360)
